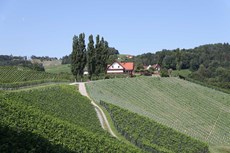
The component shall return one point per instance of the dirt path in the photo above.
(101, 115)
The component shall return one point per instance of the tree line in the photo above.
(94, 57)
(10, 60)
(209, 63)
(44, 58)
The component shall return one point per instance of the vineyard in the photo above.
(10, 74)
(60, 101)
(53, 119)
(151, 136)
(192, 109)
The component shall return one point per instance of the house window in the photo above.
(112, 66)
(118, 66)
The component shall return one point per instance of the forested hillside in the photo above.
(209, 63)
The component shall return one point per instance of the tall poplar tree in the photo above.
(74, 57)
(104, 54)
(82, 53)
(91, 61)
(97, 56)
(78, 55)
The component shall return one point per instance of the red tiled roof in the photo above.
(127, 65)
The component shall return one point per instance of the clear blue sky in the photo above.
(46, 27)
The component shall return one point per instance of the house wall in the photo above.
(115, 68)
(115, 71)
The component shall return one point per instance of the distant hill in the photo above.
(210, 64)
(125, 57)
(47, 63)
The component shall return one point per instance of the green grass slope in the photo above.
(184, 73)
(192, 109)
(59, 69)
(52, 119)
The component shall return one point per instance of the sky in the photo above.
(46, 27)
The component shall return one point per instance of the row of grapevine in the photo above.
(11, 74)
(150, 135)
(194, 110)
(61, 101)
(19, 85)
(54, 118)
(27, 129)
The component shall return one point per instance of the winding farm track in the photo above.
(101, 115)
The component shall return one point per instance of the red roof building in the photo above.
(121, 67)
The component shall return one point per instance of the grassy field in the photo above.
(58, 69)
(192, 109)
(183, 73)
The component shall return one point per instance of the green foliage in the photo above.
(102, 55)
(139, 67)
(184, 73)
(95, 59)
(150, 135)
(6, 60)
(169, 62)
(91, 60)
(192, 109)
(53, 119)
(214, 76)
(78, 56)
(164, 73)
(211, 56)
(66, 59)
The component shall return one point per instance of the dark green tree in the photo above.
(105, 54)
(74, 57)
(97, 56)
(78, 56)
(82, 53)
(91, 61)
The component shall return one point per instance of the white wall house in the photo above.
(115, 68)
(121, 67)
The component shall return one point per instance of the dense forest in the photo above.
(208, 63)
